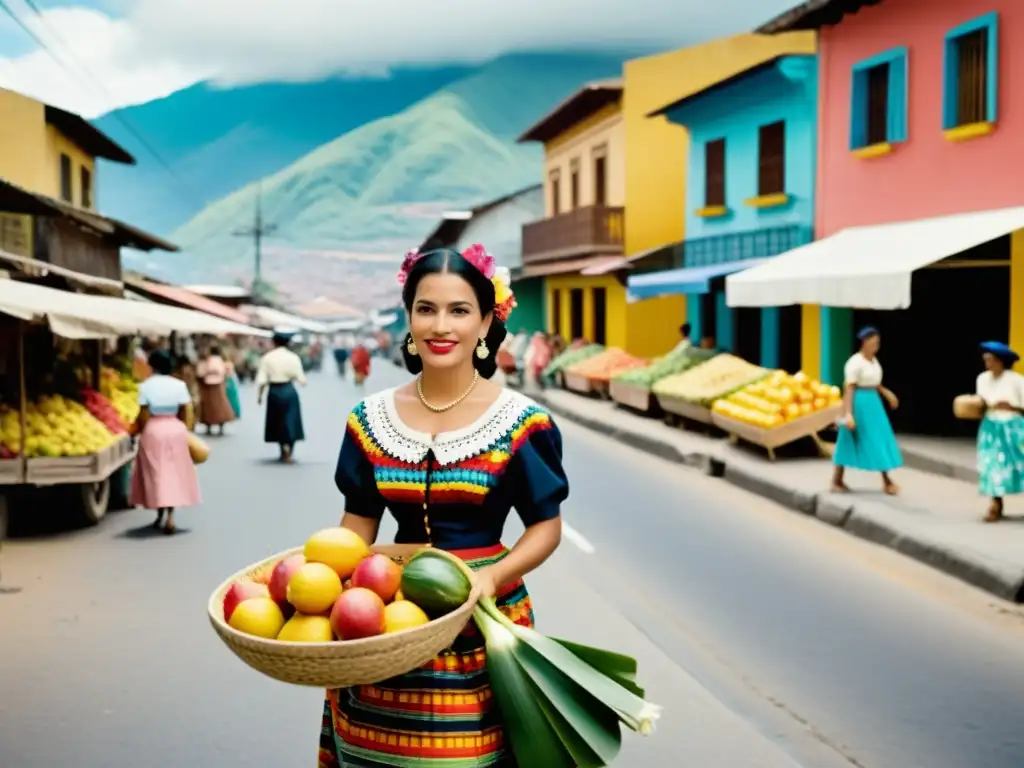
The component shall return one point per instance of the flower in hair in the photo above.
(504, 299)
(478, 256)
(411, 257)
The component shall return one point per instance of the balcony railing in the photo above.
(596, 229)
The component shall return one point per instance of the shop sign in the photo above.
(16, 234)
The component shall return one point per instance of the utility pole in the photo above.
(257, 232)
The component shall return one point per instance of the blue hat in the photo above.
(867, 332)
(1000, 350)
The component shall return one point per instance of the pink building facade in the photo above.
(927, 173)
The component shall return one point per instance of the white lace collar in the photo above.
(402, 442)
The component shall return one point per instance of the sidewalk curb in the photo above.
(838, 511)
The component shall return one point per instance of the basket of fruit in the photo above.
(337, 613)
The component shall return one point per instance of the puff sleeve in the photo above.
(539, 482)
(355, 478)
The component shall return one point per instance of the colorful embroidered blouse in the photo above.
(454, 490)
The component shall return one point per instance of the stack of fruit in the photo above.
(717, 378)
(55, 426)
(670, 364)
(104, 411)
(604, 366)
(572, 356)
(122, 391)
(337, 590)
(778, 399)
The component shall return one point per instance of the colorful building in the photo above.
(498, 224)
(918, 204)
(749, 196)
(48, 207)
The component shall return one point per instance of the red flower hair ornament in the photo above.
(477, 255)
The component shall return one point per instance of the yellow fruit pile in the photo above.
(778, 399)
(122, 392)
(55, 426)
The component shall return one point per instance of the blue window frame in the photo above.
(970, 88)
(878, 113)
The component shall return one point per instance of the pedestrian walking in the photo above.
(164, 477)
(214, 406)
(448, 454)
(360, 361)
(866, 440)
(1001, 434)
(279, 371)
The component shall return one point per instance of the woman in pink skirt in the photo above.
(164, 477)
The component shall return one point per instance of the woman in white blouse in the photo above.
(1001, 434)
(280, 370)
(866, 440)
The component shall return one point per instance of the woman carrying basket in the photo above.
(1001, 434)
(164, 476)
(280, 370)
(449, 454)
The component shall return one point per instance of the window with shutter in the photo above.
(771, 161)
(972, 77)
(878, 104)
(66, 190)
(714, 173)
(878, 114)
(970, 87)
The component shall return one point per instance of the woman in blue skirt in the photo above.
(280, 370)
(866, 440)
(1001, 434)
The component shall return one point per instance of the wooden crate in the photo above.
(791, 431)
(12, 471)
(574, 382)
(632, 396)
(63, 470)
(687, 410)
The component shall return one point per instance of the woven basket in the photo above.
(340, 664)
(968, 407)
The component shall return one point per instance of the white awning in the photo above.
(272, 318)
(866, 267)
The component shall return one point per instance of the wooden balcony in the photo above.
(594, 230)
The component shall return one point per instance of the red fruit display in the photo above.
(240, 592)
(103, 410)
(282, 574)
(358, 613)
(379, 574)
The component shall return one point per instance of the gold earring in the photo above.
(481, 350)
(410, 347)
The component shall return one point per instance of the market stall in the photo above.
(633, 388)
(577, 352)
(689, 396)
(779, 410)
(592, 375)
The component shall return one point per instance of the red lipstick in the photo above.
(440, 346)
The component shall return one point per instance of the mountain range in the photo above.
(352, 172)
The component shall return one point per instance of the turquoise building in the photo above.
(749, 197)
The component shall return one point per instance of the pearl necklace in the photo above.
(453, 403)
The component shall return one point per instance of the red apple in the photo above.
(358, 613)
(240, 591)
(282, 574)
(379, 574)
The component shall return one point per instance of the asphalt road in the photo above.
(771, 640)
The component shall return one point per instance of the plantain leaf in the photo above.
(530, 736)
(622, 669)
(588, 728)
(637, 714)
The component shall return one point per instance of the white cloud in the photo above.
(159, 46)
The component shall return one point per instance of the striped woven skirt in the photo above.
(442, 714)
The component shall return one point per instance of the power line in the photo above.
(93, 82)
(257, 232)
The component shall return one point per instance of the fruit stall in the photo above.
(577, 352)
(779, 410)
(690, 395)
(592, 376)
(633, 388)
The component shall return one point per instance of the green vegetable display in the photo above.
(672, 363)
(571, 357)
(715, 379)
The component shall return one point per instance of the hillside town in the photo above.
(727, 384)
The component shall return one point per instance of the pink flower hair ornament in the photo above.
(477, 255)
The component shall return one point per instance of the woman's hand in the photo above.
(486, 580)
(1002, 405)
(848, 422)
(891, 399)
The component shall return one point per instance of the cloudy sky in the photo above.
(130, 51)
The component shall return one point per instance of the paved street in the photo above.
(772, 640)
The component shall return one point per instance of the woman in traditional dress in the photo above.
(280, 370)
(214, 407)
(866, 440)
(449, 454)
(360, 360)
(164, 477)
(1001, 434)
